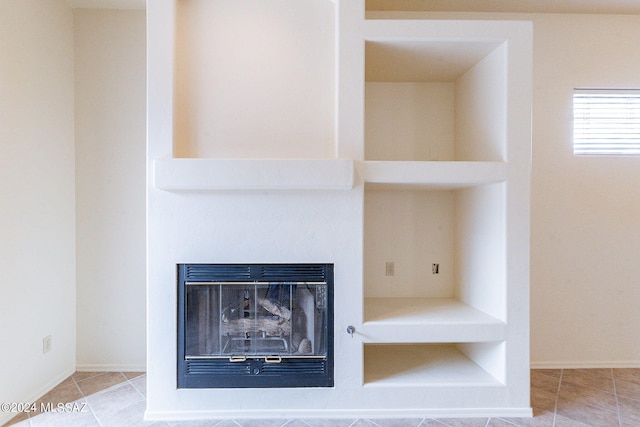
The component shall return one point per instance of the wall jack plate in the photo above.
(46, 344)
(390, 268)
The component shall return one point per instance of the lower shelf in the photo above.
(422, 365)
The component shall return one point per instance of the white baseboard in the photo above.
(586, 364)
(41, 391)
(111, 368)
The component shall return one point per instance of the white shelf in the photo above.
(253, 174)
(431, 175)
(422, 366)
(426, 320)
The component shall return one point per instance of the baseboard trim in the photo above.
(586, 364)
(33, 397)
(111, 368)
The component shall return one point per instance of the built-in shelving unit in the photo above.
(444, 151)
(425, 127)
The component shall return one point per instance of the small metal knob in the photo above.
(351, 330)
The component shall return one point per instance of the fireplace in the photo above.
(255, 325)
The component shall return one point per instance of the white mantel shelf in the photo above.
(431, 174)
(185, 174)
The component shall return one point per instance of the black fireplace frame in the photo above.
(254, 372)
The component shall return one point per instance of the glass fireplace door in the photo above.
(237, 320)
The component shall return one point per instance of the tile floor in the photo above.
(560, 398)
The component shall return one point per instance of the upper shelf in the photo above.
(431, 175)
(253, 174)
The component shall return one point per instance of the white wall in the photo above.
(586, 211)
(37, 218)
(110, 105)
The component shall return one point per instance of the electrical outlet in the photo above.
(390, 268)
(46, 344)
(435, 268)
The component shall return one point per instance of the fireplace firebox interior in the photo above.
(255, 325)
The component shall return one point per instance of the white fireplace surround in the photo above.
(356, 192)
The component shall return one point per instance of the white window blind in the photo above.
(606, 122)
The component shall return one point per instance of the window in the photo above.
(606, 122)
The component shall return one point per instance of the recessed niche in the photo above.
(420, 365)
(462, 231)
(430, 101)
(254, 79)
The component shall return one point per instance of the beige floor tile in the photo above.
(397, 422)
(100, 382)
(113, 400)
(556, 373)
(322, 422)
(361, 423)
(497, 422)
(540, 419)
(79, 376)
(546, 379)
(128, 415)
(629, 410)
(80, 417)
(587, 414)
(198, 423)
(602, 379)
(428, 422)
(631, 375)
(66, 392)
(603, 372)
(261, 423)
(543, 400)
(19, 418)
(628, 390)
(464, 422)
(227, 423)
(561, 421)
(140, 384)
(588, 396)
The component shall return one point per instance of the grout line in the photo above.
(555, 408)
(77, 386)
(615, 393)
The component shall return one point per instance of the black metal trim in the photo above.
(254, 373)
